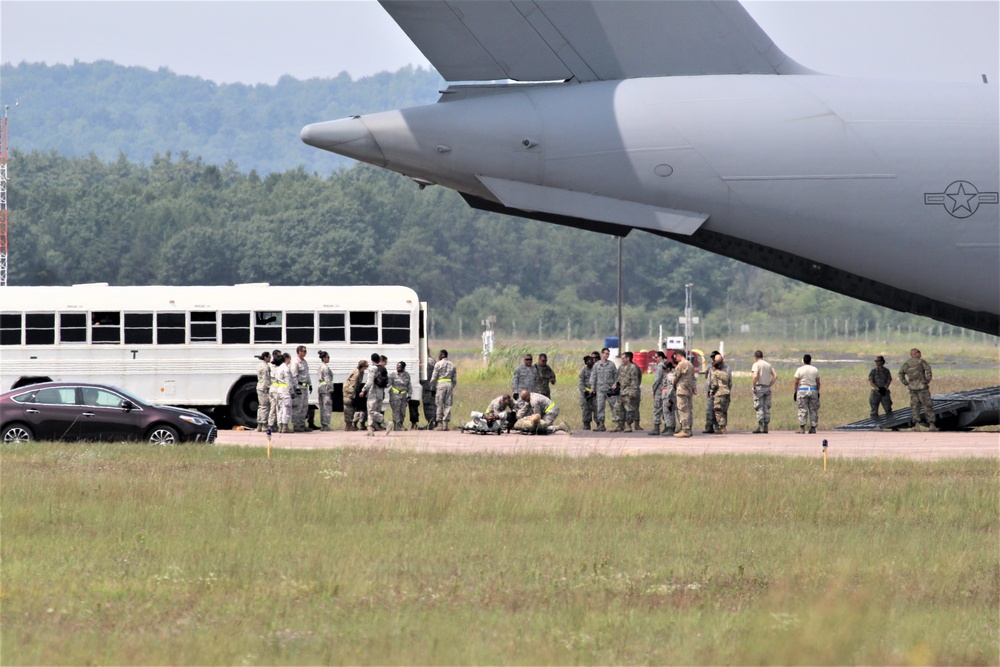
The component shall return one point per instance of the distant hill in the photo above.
(110, 110)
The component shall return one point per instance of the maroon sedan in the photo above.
(82, 411)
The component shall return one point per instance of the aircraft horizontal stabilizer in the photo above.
(542, 199)
(587, 40)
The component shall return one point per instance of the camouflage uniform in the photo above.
(351, 393)
(263, 393)
(657, 389)
(720, 386)
(627, 410)
(539, 404)
(603, 376)
(587, 397)
(399, 396)
(545, 378)
(324, 391)
(273, 397)
(807, 396)
(300, 392)
(880, 377)
(427, 396)
(668, 406)
(916, 376)
(762, 393)
(525, 377)
(281, 380)
(710, 421)
(444, 380)
(684, 382)
(374, 396)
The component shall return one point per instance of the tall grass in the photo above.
(121, 554)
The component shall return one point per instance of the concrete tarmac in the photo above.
(921, 445)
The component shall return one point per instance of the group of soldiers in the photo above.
(284, 386)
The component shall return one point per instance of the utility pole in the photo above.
(3, 197)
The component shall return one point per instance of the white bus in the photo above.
(198, 346)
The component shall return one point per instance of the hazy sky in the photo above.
(258, 42)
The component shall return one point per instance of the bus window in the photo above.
(105, 327)
(72, 328)
(235, 328)
(170, 328)
(364, 327)
(300, 328)
(203, 327)
(40, 328)
(267, 327)
(395, 328)
(139, 328)
(10, 329)
(332, 328)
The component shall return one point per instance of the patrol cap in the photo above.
(880, 358)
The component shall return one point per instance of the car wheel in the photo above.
(17, 433)
(243, 406)
(163, 435)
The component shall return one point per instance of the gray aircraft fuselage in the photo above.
(886, 191)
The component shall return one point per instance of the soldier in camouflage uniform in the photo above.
(630, 386)
(545, 376)
(880, 378)
(263, 389)
(525, 377)
(302, 387)
(351, 388)
(400, 389)
(686, 389)
(532, 403)
(588, 398)
(658, 376)
(604, 376)
(720, 386)
(710, 422)
(444, 379)
(916, 376)
(324, 391)
(807, 386)
(374, 395)
(669, 398)
(427, 395)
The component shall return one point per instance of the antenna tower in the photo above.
(3, 198)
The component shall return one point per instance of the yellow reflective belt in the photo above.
(398, 391)
(279, 384)
(551, 405)
(444, 379)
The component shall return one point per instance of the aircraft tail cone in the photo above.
(348, 137)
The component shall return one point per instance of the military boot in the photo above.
(655, 431)
(812, 429)
(586, 426)
(709, 429)
(628, 427)
(765, 427)
(761, 428)
(600, 427)
(370, 431)
(722, 430)
(617, 428)
(932, 427)
(802, 429)
(682, 434)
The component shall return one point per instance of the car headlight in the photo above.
(198, 421)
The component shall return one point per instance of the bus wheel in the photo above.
(243, 405)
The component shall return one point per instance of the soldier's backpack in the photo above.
(381, 377)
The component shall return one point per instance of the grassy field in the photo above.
(124, 554)
(958, 365)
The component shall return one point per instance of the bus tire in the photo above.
(243, 405)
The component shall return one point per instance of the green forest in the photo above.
(130, 201)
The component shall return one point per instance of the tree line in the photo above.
(179, 220)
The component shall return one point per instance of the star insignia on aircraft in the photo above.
(961, 199)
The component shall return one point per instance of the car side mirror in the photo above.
(128, 406)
